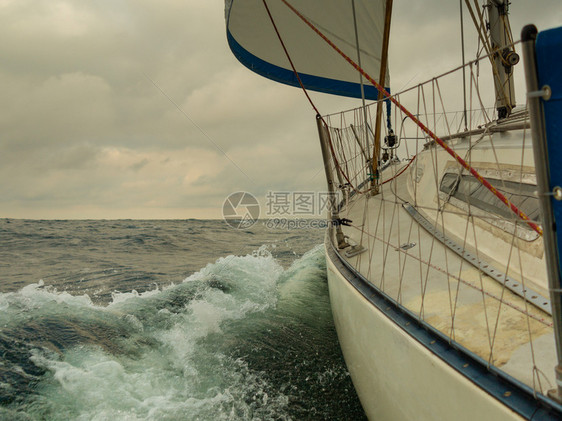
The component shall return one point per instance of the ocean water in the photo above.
(167, 320)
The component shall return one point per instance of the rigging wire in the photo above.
(308, 96)
(360, 75)
(422, 126)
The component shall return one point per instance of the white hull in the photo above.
(395, 376)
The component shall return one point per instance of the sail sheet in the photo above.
(253, 40)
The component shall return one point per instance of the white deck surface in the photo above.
(476, 312)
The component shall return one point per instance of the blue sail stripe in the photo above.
(316, 83)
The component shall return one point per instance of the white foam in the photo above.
(172, 370)
(37, 295)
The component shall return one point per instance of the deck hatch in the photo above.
(468, 190)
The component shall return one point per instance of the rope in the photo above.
(289, 58)
(338, 167)
(422, 126)
(401, 171)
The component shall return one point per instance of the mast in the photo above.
(503, 56)
(382, 78)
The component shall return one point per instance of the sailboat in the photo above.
(442, 251)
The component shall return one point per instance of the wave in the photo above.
(242, 338)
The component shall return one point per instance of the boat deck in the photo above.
(447, 291)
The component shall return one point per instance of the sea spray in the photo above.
(242, 338)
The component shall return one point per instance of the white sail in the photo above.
(253, 40)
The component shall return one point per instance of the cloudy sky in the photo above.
(137, 109)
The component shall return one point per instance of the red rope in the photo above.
(401, 171)
(422, 126)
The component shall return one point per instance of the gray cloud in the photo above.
(85, 134)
